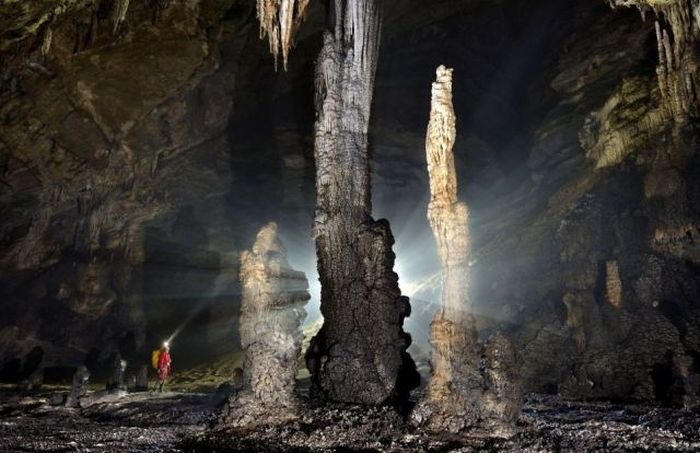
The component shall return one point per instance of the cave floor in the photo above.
(180, 422)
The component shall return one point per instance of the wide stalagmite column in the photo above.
(471, 385)
(272, 301)
(359, 354)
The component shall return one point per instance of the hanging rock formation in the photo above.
(677, 36)
(471, 385)
(359, 355)
(273, 297)
(280, 20)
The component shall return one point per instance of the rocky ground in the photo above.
(183, 422)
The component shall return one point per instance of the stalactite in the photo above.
(121, 7)
(280, 20)
(46, 41)
(272, 300)
(359, 355)
(678, 35)
(461, 394)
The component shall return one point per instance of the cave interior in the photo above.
(161, 168)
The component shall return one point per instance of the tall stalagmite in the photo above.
(470, 385)
(272, 301)
(360, 354)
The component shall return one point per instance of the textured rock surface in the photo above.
(547, 424)
(280, 21)
(569, 155)
(105, 135)
(175, 421)
(80, 379)
(468, 387)
(272, 310)
(573, 212)
(677, 26)
(359, 354)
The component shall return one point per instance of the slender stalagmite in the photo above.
(462, 393)
(272, 301)
(360, 354)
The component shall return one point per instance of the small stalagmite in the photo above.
(272, 310)
(472, 385)
(80, 379)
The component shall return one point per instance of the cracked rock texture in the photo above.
(360, 354)
(272, 310)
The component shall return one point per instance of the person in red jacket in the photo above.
(164, 363)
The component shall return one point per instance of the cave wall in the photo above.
(607, 241)
(114, 137)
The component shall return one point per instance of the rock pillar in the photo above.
(80, 378)
(273, 297)
(359, 356)
(462, 393)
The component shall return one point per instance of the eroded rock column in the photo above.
(273, 297)
(471, 385)
(359, 356)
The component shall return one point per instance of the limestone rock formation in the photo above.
(677, 27)
(115, 382)
(80, 378)
(280, 20)
(117, 124)
(613, 284)
(141, 379)
(273, 297)
(109, 140)
(470, 385)
(360, 354)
